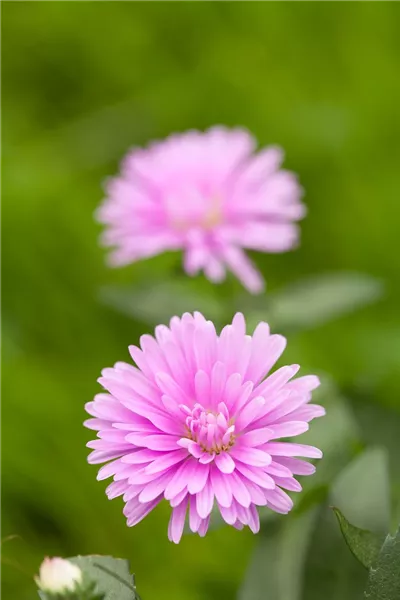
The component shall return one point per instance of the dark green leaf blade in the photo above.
(112, 576)
(384, 577)
(364, 544)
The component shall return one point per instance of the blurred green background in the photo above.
(84, 81)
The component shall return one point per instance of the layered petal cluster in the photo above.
(206, 193)
(199, 421)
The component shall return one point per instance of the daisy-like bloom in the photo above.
(208, 194)
(196, 422)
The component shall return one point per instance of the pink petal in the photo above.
(260, 165)
(140, 359)
(156, 487)
(100, 456)
(275, 468)
(205, 500)
(257, 494)
(254, 519)
(240, 490)
(296, 466)
(250, 413)
(243, 514)
(202, 387)
(194, 517)
(179, 498)
(251, 456)
(285, 408)
(96, 424)
(206, 458)
(109, 470)
(232, 389)
(202, 530)
(198, 479)
(224, 462)
(243, 268)
(106, 407)
(289, 449)
(305, 384)
(205, 346)
(172, 407)
(177, 522)
(288, 429)
(265, 353)
(242, 398)
(218, 379)
(221, 487)
(170, 388)
(214, 270)
(279, 501)
(180, 479)
(228, 514)
(176, 362)
(239, 324)
(256, 475)
(117, 488)
(288, 483)
(256, 437)
(136, 512)
(308, 412)
(116, 436)
(154, 442)
(140, 456)
(166, 461)
(275, 381)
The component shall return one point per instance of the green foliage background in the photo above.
(82, 82)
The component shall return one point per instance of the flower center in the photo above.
(207, 217)
(213, 431)
(213, 216)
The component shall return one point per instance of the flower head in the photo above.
(58, 576)
(208, 194)
(196, 422)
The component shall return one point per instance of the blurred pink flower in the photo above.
(196, 422)
(208, 194)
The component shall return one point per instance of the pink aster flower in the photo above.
(208, 194)
(196, 422)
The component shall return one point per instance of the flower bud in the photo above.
(57, 575)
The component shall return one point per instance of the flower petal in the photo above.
(224, 462)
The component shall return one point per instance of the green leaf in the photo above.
(87, 594)
(362, 491)
(364, 544)
(157, 303)
(276, 567)
(331, 572)
(384, 577)
(380, 425)
(112, 576)
(315, 300)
